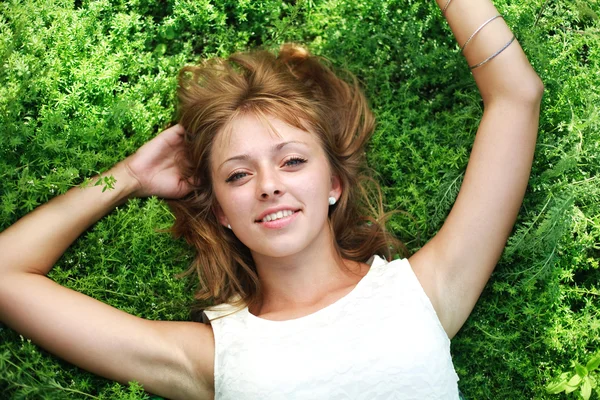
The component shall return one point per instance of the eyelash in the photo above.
(232, 177)
(299, 161)
(296, 160)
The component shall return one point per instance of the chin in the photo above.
(287, 243)
(277, 251)
(280, 247)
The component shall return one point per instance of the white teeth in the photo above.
(277, 215)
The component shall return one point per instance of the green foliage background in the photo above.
(85, 83)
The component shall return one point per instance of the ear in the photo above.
(220, 215)
(336, 187)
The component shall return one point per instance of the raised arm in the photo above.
(172, 359)
(456, 264)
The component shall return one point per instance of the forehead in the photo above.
(252, 135)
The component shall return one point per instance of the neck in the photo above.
(306, 278)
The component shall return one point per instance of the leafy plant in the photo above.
(84, 83)
(583, 378)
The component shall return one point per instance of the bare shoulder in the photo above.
(451, 280)
(425, 264)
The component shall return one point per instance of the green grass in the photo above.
(83, 84)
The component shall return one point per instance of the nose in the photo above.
(269, 185)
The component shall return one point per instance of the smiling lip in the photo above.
(279, 223)
(274, 210)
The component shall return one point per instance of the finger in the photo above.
(193, 181)
(173, 135)
(178, 129)
(183, 188)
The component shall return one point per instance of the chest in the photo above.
(360, 351)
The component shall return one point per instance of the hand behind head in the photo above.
(155, 166)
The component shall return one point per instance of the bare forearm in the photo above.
(509, 74)
(35, 242)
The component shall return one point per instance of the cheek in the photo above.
(229, 201)
(312, 187)
(234, 202)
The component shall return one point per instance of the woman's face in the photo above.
(272, 188)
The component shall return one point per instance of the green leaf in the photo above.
(581, 370)
(559, 384)
(169, 33)
(556, 387)
(570, 388)
(160, 49)
(586, 388)
(593, 363)
(574, 381)
(107, 182)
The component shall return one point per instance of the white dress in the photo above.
(383, 340)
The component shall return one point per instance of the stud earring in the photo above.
(332, 200)
(229, 226)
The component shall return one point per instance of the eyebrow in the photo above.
(274, 149)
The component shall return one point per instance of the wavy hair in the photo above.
(303, 91)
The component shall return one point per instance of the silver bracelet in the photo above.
(462, 49)
(446, 7)
(493, 55)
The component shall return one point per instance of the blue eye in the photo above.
(294, 161)
(235, 176)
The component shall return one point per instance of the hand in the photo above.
(155, 166)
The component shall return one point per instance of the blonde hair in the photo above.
(301, 90)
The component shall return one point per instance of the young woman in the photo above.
(268, 165)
